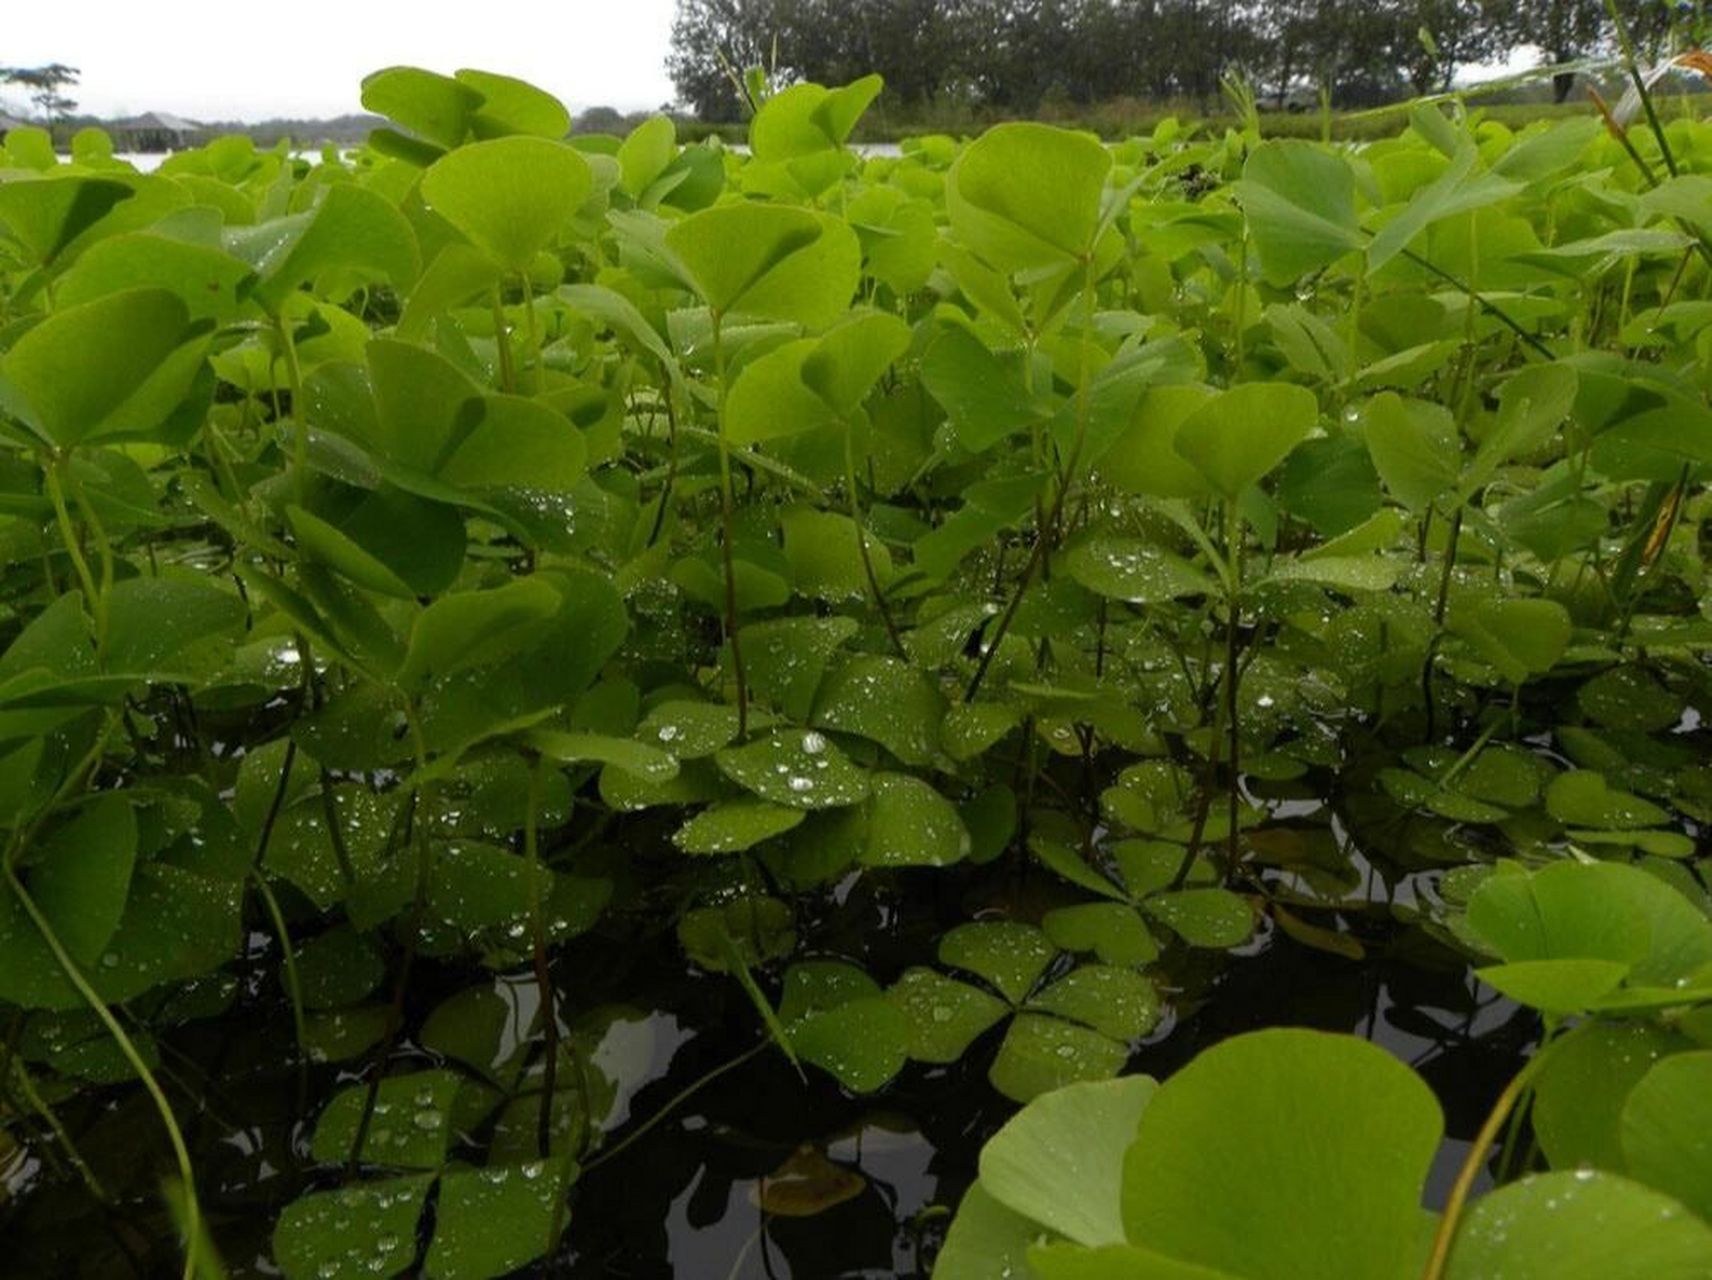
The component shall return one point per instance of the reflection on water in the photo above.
(718, 1162)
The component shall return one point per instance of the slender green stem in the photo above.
(92, 593)
(1233, 680)
(1464, 1184)
(862, 545)
(532, 329)
(672, 1104)
(502, 344)
(128, 1048)
(728, 533)
(299, 418)
(293, 983)
(543, 971)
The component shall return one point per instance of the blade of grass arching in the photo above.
(757, 997)
(1633, 68)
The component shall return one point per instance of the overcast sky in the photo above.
(238, 60)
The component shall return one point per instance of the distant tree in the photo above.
(44, 85)
(714, 41)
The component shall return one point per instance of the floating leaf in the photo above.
(355, 1232)
(488, 1222)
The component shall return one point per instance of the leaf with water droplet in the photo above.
(1039, 1054)
(355, 1233)
(734, 825)
(409, 1128)
(1203, 917)
(887, 701)
(689, 730)
(1116, 1002)
(1580, 1225)
(1011, 956)
(945, 1016)
(912, 825)
(797, 768)
(491, 1221)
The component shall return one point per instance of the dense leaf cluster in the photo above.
(485, 544)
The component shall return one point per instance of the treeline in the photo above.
(1017, 54)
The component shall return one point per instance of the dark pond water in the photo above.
(684, 1199)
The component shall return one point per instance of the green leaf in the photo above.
(118, 366)
(152, 622)
(825, 557)
(1144, 459)
(645, 153)
(1059, 1161)
(689, 730)
(80, 876)
(1111, 930)
(1532, 404)
(1119, 1003)
(945, 1016)
(1456, 190)
(638, 758)
(1582, 798)
(1010, 956)
(1579, 1226)
(354, 1233)
(1415, 448)
(511, 197)
(912, 825)
(509, 105)
(1112, 1262)
(1048, 221)
(1236, 438)
(1299, 200)
(489, 1222)
(886, 701)
(786, 658)
(352, 229)
(734, 825)
(1287, 1154)
(1590, 915)
(862, 1042)
(410, 1128)
(1203, 917)
(475, 628)
(985, 1240)
(1039, 1054)
(518, 444)
(1520, 637)
(338, 967)
(432, 106)
(1556, 986)
(769, 262)
(809, 118)
(204, 278)
(1664, 1126)
(984, 396)
(49, 215)
(796, 768)
(1580, 1093)
(1129, 569)
(770, 400)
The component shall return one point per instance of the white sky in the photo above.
(249, 60)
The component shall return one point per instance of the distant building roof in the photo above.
(164, 121)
